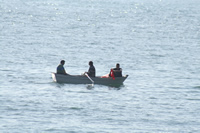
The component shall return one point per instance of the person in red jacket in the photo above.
(116, 71)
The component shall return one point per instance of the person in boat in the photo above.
(91, 71)
(117, 71)
(60, 68)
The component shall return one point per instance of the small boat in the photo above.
(82, 79)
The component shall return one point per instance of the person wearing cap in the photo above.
(91, 71)
(60, 68)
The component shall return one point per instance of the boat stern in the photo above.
(54, 77)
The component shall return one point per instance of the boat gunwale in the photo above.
(82, 79)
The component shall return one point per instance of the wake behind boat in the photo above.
(82, 79)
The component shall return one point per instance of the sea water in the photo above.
(156, 42)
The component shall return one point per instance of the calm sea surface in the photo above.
(157, 43)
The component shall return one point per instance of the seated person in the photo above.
(60, 68)
(117, 71)
(91, 71)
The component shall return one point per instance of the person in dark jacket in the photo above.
(91, 71)
(60, 68)
(117, 71)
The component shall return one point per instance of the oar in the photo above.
(89, 78)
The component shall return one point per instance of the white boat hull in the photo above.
(81, 79)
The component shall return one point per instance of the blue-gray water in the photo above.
(157, 43)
